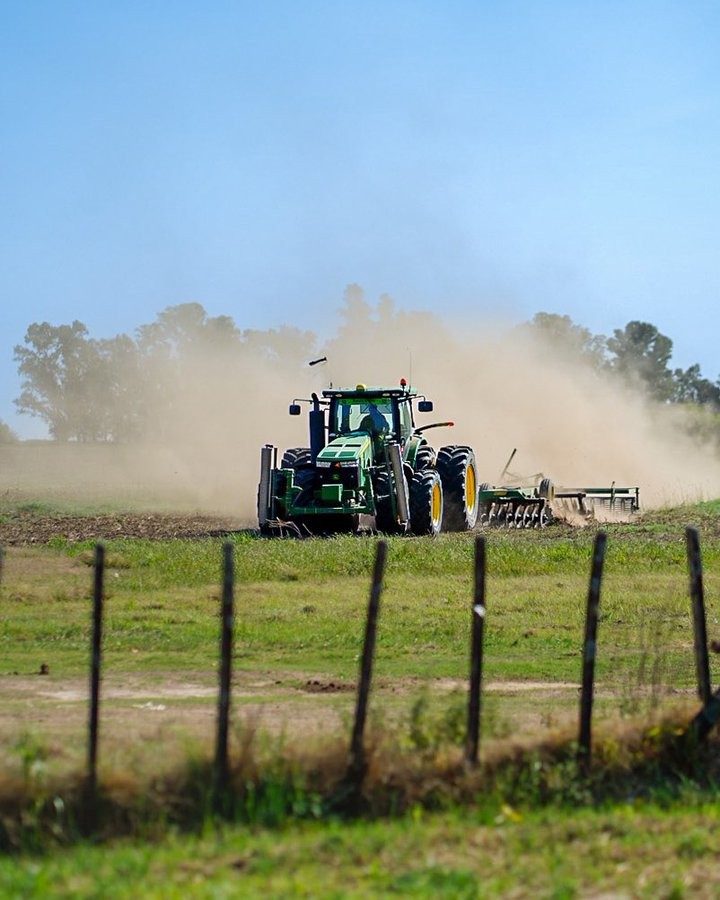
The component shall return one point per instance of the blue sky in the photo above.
(473, 158)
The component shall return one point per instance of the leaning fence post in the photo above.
(357, 750)
(222, 768)
(590, 650)
(697, 595)
(95, 664)
(472, 743)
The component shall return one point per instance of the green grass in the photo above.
(300, 609)
(301, 604)
(153, 564)
(635, 849)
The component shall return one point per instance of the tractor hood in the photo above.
(349, 449)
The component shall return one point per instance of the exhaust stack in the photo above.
(317, 428)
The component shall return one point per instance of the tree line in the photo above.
(638, 354)
(124, 388)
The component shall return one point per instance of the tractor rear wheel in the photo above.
(299, 459)
(296, 456)
(426, 502)
(458, 472)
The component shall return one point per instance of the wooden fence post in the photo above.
(590, 650)
(95, 665)
(697, 595)
(357, 766)
(222, 769)
(472, 743)
(703, 723)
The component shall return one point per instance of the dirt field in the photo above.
(160, 713)
(165, 712)
(22, 528)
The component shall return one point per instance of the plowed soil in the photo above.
(22, 528)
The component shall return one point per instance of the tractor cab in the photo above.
(385, 414)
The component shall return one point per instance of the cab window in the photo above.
(406, 423)
(356, 415)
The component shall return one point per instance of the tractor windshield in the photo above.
(372, 415)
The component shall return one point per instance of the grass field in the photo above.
(633, 850)
(299, 624)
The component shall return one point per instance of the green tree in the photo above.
(187, 329)
(691, 387)
(566, 339)
(123, 414)
(285, 346)
(640, 354)
(188, 358)
(7, 435)
(174, 351)
(356, 312)
(84, 389)
(62, 380)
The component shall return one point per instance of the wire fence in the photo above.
(700, 725)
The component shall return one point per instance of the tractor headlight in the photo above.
(346, 472)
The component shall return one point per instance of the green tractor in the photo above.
(367, 459)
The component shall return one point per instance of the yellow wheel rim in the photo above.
(436, 502)
(470, 488)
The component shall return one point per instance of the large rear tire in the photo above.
(300, 460)
(426, 502)
(295, 457)
(458, 472)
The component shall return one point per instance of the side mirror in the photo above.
(294, 409)
(425, 406)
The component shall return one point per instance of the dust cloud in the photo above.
(506, 391)
(503, 391)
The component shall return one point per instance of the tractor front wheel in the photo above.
(425, 457)
(426, 502)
